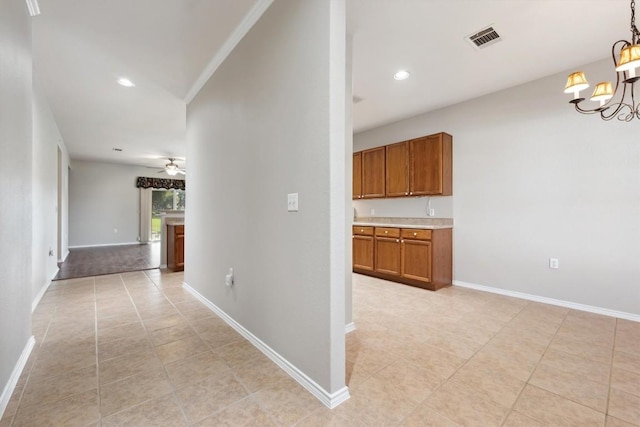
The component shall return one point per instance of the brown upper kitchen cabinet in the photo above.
(397, 173)
(373, 166)
(357, 175)
(420, 167)
(431, 165)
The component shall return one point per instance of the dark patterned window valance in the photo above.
(176, 184)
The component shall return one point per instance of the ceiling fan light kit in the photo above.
(619, 102)
(172, 168)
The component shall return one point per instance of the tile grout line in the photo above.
(231, 370)
(534, 370)
(153, 347)
(95, 330)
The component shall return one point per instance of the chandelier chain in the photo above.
(635, 34)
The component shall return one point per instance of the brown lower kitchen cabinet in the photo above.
(387, 251)
(175, 247)
(417, 257)
(363, 248)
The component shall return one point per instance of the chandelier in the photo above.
(621, 102)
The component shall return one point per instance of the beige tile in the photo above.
(371, 359)
(170, 334)
(221, 337)
(498, 387)
(624, 406)
(164, 411)
(516, 419)
(50, 389)
(615, 422)
(466, 407)
(181, 349)
(77, 410)
(626, 381)
(287, 402)
(416, 382)
(438, 363)
(238, 353)
(552, 409)
(131, 391)
(194, 369)
(128, 365)
(259, 373)
(425, 416)
(123, 346)
(210, 395)
(117, 320)
(586, 350)
(121, 331)
(627, 361)
(243, 413)
(573, 386)
(595, 371)
(162, 322)
(385, 399)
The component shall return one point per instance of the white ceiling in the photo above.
(82, 47)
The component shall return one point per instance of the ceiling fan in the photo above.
(172, 168)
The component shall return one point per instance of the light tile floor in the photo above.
(136, 349)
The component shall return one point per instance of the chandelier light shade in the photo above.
(619, 102)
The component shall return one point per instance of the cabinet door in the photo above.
(373, 168)
(179, 251)
(357, 175)
(397, 173)
(363, 252)
(431, 165)
(388, 255)
(416, 260)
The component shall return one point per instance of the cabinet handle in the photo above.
(410, 192)
(385, 231)
(415, 234)
(405, 193)
(397, 240)
(361, 230)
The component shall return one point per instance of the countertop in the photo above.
(425, 223)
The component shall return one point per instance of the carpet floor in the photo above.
(83, 262)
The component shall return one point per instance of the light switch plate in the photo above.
(292, 202)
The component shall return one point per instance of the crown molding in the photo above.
(245, 25)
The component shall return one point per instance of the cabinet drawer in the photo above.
(362, 231)
(415, 233)
(387, 232)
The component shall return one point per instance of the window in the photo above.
(164, 200)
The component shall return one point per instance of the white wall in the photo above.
(533, 179)
(271, 121)
(15, 189)
(46, 142)
(103, 197)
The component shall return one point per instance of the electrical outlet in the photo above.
(228, 279)
(553, 263)
(432, 212)
(292, 202)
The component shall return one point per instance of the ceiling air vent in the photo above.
(484, 38)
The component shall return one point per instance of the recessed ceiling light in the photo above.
(401, 75)
(123, 81)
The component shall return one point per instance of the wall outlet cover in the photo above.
(292, 202)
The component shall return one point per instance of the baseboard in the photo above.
(349, 327)
(552, 301)
(331, 400)
(64, 257)
(15, 375)
(106, 244)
